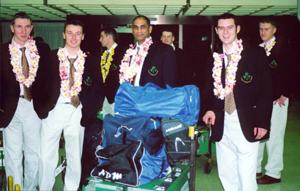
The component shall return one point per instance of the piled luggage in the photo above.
(149, 142)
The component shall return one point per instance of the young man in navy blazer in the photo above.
(24, 65)
(73, 101)
(239, 105)
(279, 62)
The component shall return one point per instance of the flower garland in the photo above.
(129, 70)
(17, 67)
(106, 62)
(231, 69)
(269, 45)
(64, 74)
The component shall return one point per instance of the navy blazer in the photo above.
(279, 61)
(159, 66)
(252, 94)
(112, 83)
(10, 87)
(180, 67)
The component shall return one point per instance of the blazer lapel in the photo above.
(240, 68)
(147, 61)
(223, 73)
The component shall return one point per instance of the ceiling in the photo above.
(56, 10)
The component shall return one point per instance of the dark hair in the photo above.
(21, 15)
(112, 32)
(167, 30)
(74, 22)
(141, 17)
(268, 20)
(38, 39)
(227, 16)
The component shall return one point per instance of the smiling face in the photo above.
(21, 29)
(141, 30)
(266, 31)
(73, 36)
(227, 31)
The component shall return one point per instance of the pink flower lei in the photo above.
(231, 69)
(129, 70)
(17, 67)
(64, 64)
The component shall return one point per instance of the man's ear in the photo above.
(12, 29)
(150, 29)
(238, 29)
(82, 38)
(275, 29)
(64, 36)
(216, 29)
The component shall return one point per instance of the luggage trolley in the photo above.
(205, 147)
(183, 172)
(192, 132)
(181, 178)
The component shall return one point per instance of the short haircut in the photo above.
(268, 20)
(142, 17)
(74, 22)
(21, 15)
(170, 31)
(112, 32)
(228, 16)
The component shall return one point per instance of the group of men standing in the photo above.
(45, 93)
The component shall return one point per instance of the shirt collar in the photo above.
(16, 44)
(73, 56)
(230, 51)
(264, 44)
(112, 47)
(173, 46)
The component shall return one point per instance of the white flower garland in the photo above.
(269, 45)
(64, 64)
(129, 70)
(230, 73)
(17, 67)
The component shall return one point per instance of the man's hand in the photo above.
(259, 132)
(209, 118)
(280, 101)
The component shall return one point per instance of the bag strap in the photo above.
(124, 136)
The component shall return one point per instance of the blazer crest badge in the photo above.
(246, 78)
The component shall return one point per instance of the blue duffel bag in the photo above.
(119, 148)
(182, 103)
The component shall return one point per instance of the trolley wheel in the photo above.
(208, 166)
